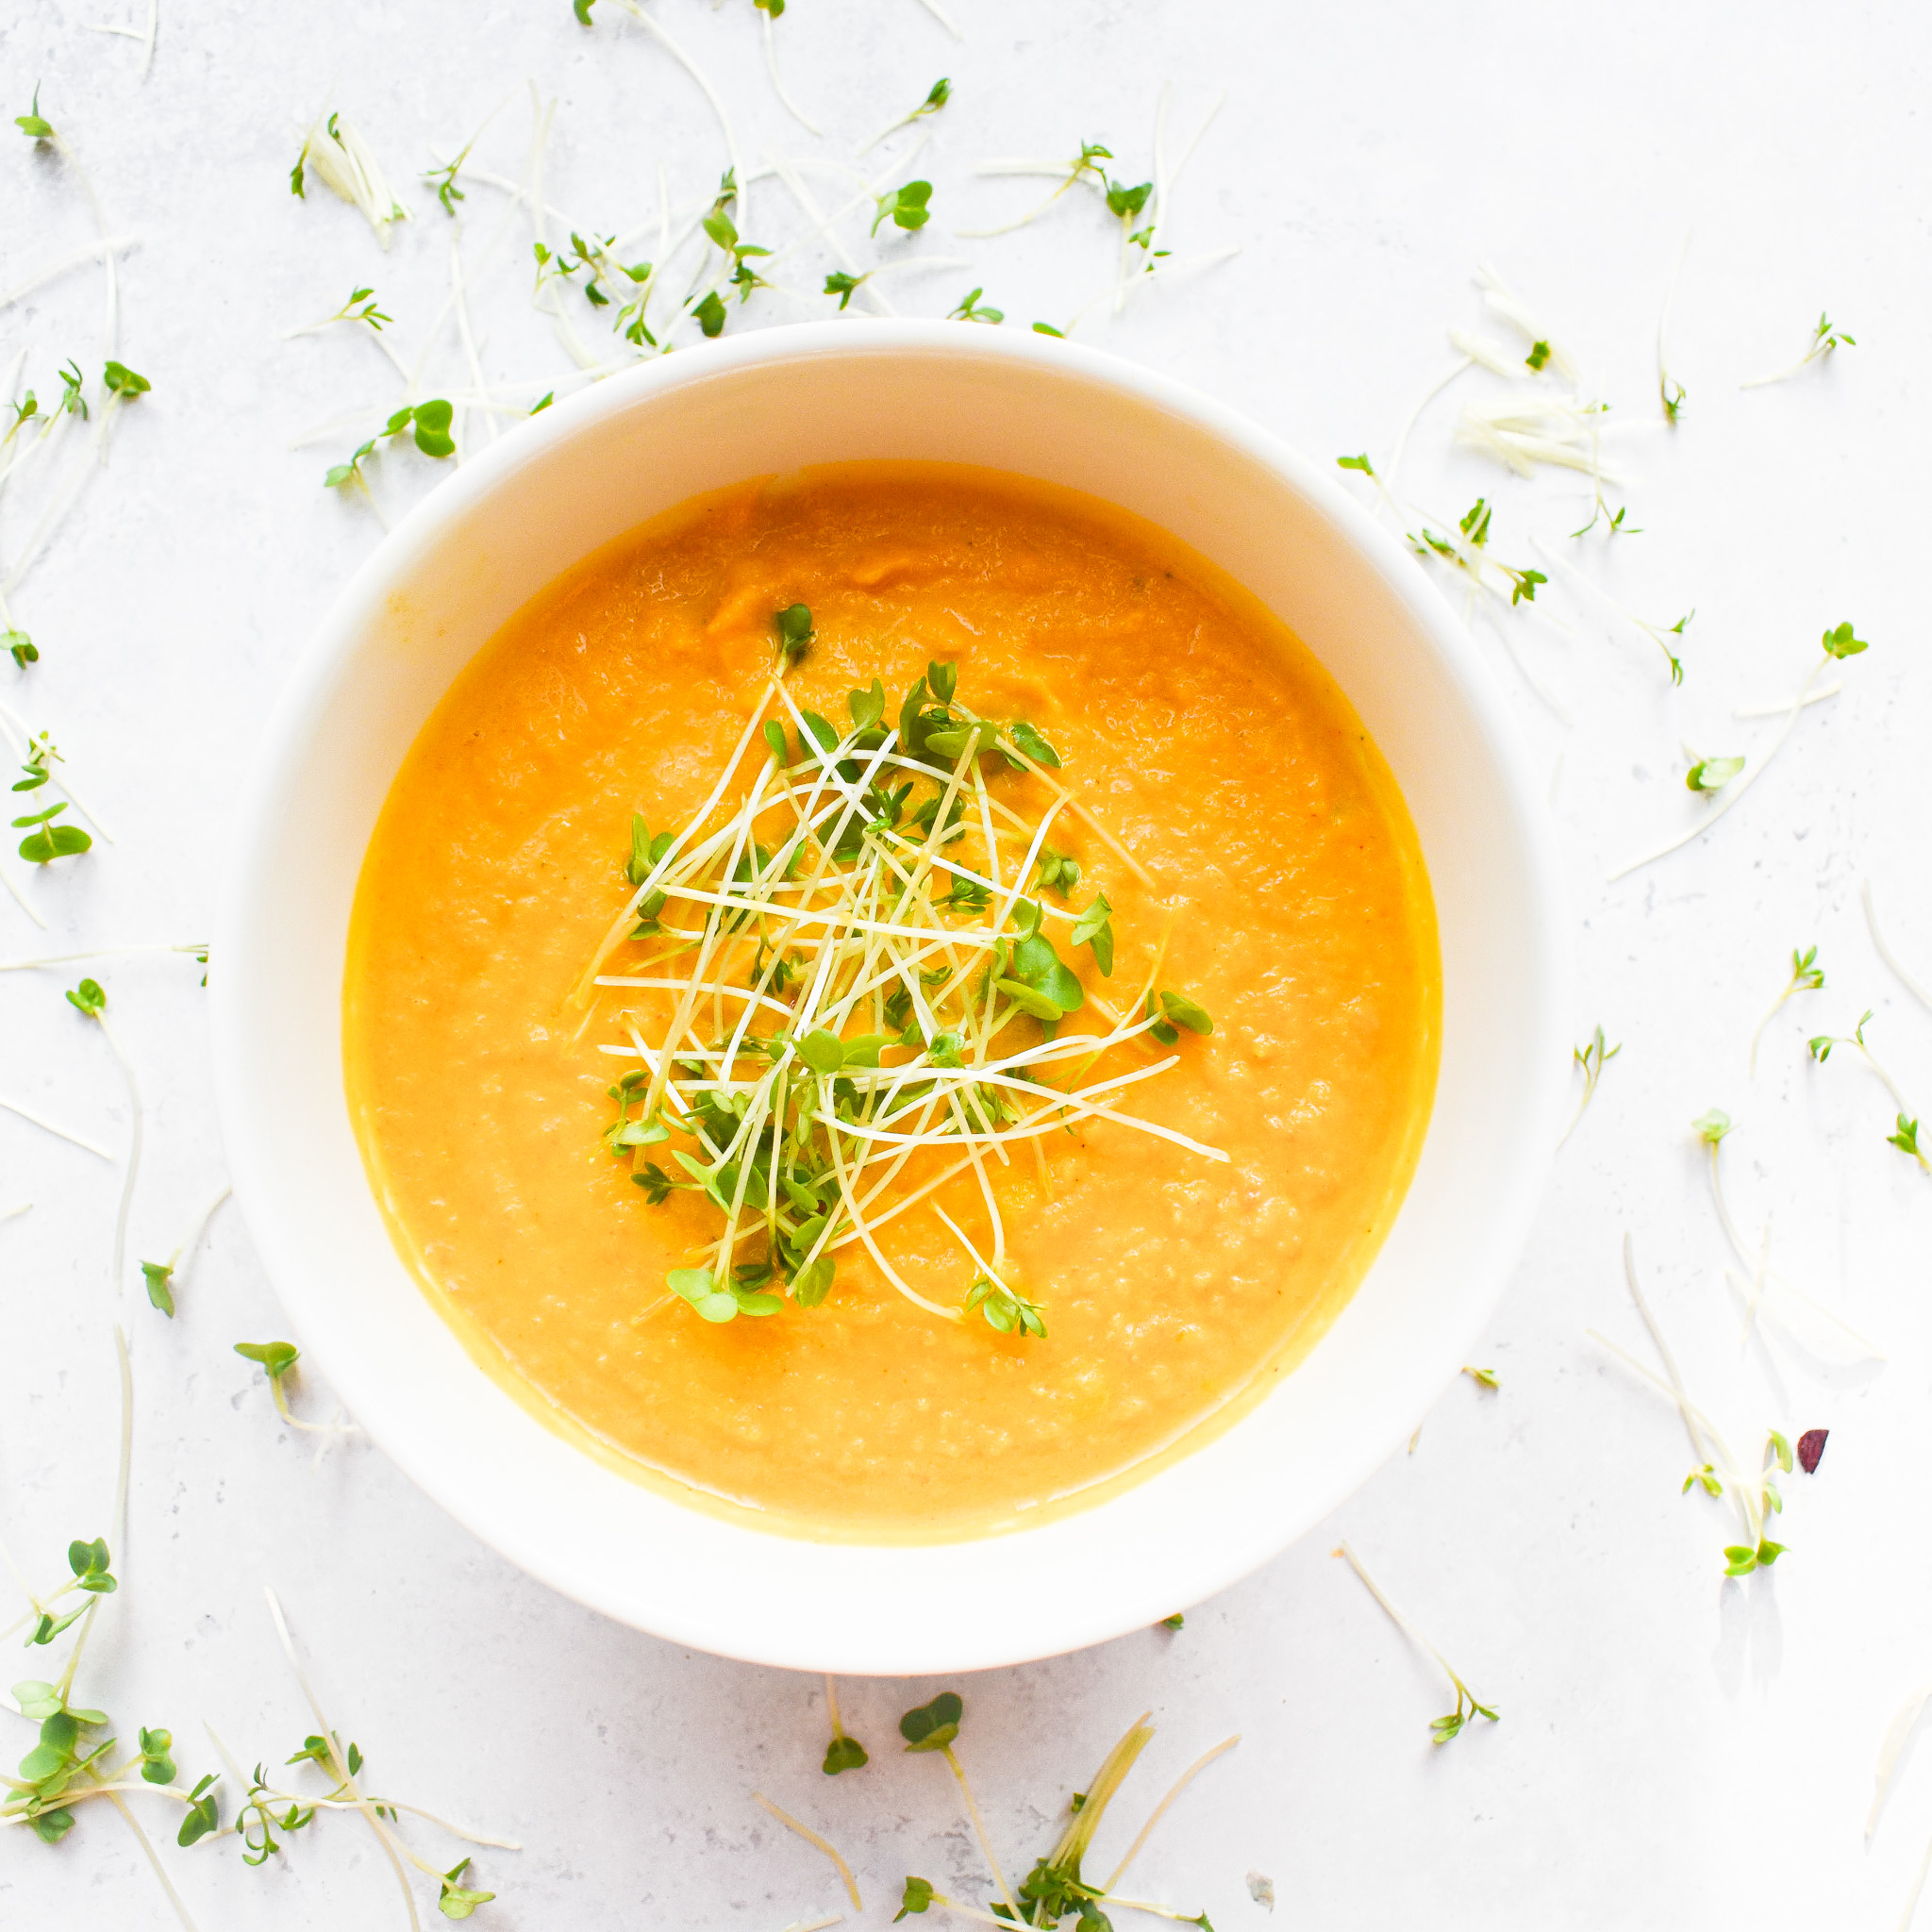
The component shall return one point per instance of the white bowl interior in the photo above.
(509, 523)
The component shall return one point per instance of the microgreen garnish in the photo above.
(1539, 355)
(1905, 1135)
(1468, 1707)
(362, 306)
(124, 383)
(1591, 1059)
(1483, 1378)
(159, 1276)
(48, 842)
(905, 206)
(1824, 339)
(1173, 1623)
(888, 984)
(1807, 976)
(20, 647)
(845, 286)
(1838, 643)
(968, 308)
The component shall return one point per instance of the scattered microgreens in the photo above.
(1590, 1059)
(1711, 774)
(1905, 1135)
(1054, 1888)
(1443, 1729)
(890, 1016)
(1175, 1622)
(1465, 551)
(1539, 355)
(905, 206)
(970, 308)
(1838, 643)
(1483, 1378)
(1807, 976)
(1714, 1469)
(20, 647)
(124, 383)
(1824, 339)
(443, 179)
(428, 424)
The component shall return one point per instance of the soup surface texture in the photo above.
(1196, 734)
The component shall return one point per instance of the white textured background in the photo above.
(1675, 1751)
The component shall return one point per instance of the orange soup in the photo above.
(892, 999)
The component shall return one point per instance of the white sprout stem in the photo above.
(1905, 1924)
(959, 1771)
(945, 19)
(125, 1463)
(1886, 954)
(26, 1113)
(1415, 415)
(133, 1152)
(296, 1422)
(778, 88)
(1766, 1273)
(1821, 345)
(825, 225)
(13, 719)
(812, 1837)
(20, 900)
(14, 1213)
(175, 1899)
(1146, 1831)
(710, 92)
(1733, 792)
(1664, 384)
(1776, 1006)
(1395, 1617)
(1747, 712)
(198, 1225)
(98, 952)
(1903, 1723)
(80, 257)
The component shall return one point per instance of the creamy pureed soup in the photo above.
(631, 978)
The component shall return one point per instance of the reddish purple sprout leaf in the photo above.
(1811, 1447)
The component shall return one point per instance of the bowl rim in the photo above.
(445, 508)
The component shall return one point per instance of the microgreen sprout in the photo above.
(1807, 976)
(939, 93)
(845, 1752)
(1468, 1707)
(32, 123)
(159, 1276)
(362, 306)
(1711, 774)
(1905, 1135)
(1483, 1378)
(1590, 1059)
(337, 154)
(845, 286)
(1715, 1470)
(1884, 951)
(20, 647)
(1824, 339)
(968, 308)
(1670, 392)
(88, 998)
(1173, 1623)
(1838, 643)
(794, 630)
(905, 206)
(276, 1360)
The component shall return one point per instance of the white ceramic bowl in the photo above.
(504, 526)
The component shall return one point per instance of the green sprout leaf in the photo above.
(905, 206)
(1173, 1623)
(1094, 929)
(844, 286)
(455, 1901)
(795, 635)
(1539, 355)
(159, 1275)
(709, 314)
(276, 1357)
(31, 125)
(20, 647)
(917, 1897)
(1839, 642)
(843, 1754)
(1182, 1011)
(933, 1726)
(1712, 775)
(971, 308)
(88, 998)
(1711, 1127)
(121, 381)
(48, 841)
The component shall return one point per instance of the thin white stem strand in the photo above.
(811, 1837)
